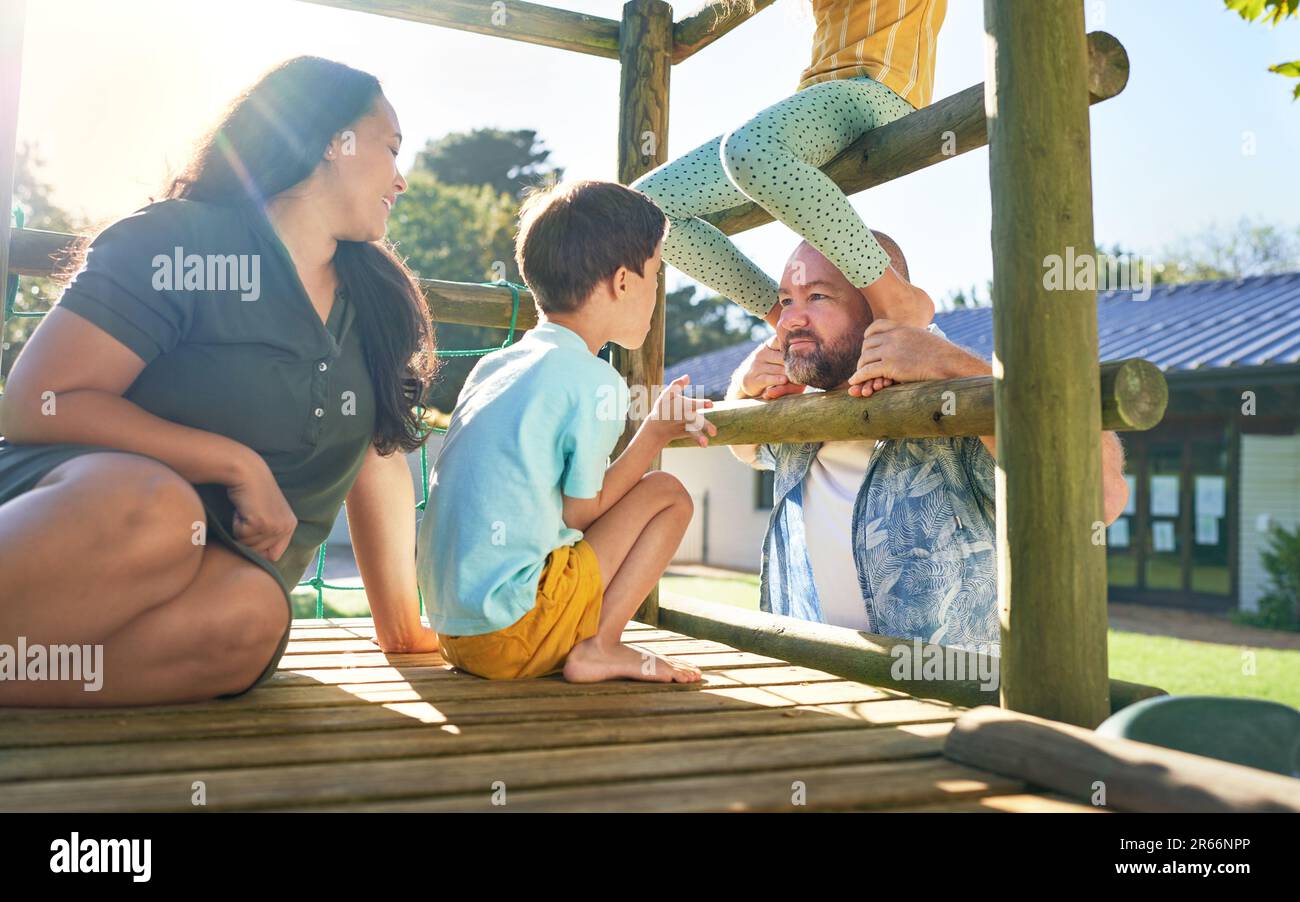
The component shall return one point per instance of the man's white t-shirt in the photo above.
(830, 489)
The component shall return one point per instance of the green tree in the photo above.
(509, 161)
(458, 233)
(33, 196)
(1279, 608)
(456, 222)
(699, 324)
(1247, 249)
(960, 298)
(1272, 13)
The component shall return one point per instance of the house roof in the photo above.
(1193, 327)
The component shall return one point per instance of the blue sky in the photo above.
(114, 93)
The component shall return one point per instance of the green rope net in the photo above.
(318, 582)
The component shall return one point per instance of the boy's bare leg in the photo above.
(634, 541)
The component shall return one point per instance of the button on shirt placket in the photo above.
(330, 348)
(322, 396)
(320, 379)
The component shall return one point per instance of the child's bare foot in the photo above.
(591, 662)
(894, 298)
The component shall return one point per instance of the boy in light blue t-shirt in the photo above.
(534, 551)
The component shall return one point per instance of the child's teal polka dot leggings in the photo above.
(773, 160)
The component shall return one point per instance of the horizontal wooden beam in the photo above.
(851, 654)
(950, 127)
(1137, 776)
(533, 23)
(1133, 397)
(700, 29)
(470, 304)
(34, 252)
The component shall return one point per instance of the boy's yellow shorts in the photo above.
(569, 595)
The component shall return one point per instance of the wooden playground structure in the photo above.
(786, 707)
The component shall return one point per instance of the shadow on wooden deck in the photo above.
(343, 727)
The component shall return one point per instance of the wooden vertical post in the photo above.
(12, 16)
(1051, 571)
(645, 54)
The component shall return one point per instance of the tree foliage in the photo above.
(1271, 13)
(457, 233)
(1236, 252)
(508, 161)
(1279, 608)
(34, 197)
(699, 324)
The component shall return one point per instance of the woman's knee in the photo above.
(132, 503)
(243, 624)
(156, 523)
(128, 517)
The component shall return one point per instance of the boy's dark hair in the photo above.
(574, 235)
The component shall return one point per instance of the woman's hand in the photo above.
(422, 641)
(264, 521)
(381, 520)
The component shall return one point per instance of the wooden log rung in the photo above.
(1133, 397)
(533, 23)
(865, 658)
(700, 29)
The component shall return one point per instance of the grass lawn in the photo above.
(1184, 667)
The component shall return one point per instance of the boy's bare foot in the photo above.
(591, 662)
(894, 298)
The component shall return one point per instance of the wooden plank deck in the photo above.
(342, 727)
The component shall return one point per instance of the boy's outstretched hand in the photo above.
(675, 414)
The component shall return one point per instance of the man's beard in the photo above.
(827, 365)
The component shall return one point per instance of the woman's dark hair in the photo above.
(270, 139)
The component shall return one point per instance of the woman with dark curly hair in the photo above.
(229, 365)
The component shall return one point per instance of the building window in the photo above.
(1173, 543)
(764, 489)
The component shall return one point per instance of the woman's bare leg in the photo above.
(101, 552)
(214, 638)
(100, 540)
(634, 541)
